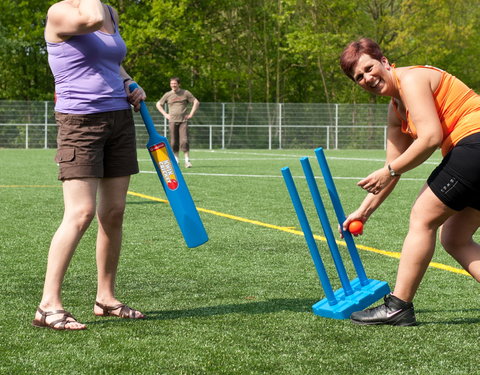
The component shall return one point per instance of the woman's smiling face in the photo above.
(373, 75)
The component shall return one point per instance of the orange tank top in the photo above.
(458, 108)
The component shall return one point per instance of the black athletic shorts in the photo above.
(456, 181)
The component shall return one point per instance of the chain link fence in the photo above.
(226, 125)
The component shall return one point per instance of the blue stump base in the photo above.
(362, 297)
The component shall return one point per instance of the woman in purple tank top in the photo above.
(96, 150)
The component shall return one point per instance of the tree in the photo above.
(24, 72)
(252, 50)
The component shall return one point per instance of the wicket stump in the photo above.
(356, 294)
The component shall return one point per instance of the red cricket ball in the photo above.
(355, 227)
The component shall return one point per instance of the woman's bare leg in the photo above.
(112, 194)
(428, 213)
(456, 236)
(79, 199)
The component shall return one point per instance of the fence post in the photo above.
(210, 138)
(26, 136)
(336, 126)
(46, 124)
(165, 122)
(269, 136)
(223, 126)
(328, 137)
(279, 126)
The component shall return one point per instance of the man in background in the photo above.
(178, 100)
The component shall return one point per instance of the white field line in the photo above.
(272, 176)
(291, 156)
(273, 156)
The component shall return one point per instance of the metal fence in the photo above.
(226, 125)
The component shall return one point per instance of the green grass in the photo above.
(241, 303)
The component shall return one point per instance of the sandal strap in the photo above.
(63, 320)
(125, 311)
(107, 310)
(44, 314)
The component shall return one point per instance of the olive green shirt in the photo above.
(177, 104)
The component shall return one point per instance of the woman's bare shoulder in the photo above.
(60, 9)
(419, 76)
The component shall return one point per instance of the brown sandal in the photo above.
(125, 311)
(59, 324)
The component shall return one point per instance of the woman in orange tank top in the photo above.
(429, 109)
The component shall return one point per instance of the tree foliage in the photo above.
(252, 50)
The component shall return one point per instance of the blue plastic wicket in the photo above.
(355, 294)
(327, 230)
(302, 218)
(337, 206)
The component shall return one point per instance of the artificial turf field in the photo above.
(241, 303)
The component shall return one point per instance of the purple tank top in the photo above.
(86, 69)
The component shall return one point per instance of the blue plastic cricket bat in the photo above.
(173, 183)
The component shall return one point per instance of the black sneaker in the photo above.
(394, 312)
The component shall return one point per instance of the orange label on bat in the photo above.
(160, 155)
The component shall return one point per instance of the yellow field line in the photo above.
(291, 230)
(147, 197)
(392, 254)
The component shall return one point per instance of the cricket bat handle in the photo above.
(147, 119)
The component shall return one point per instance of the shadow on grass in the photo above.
(459, 320)
(262, 307)
(277, 305)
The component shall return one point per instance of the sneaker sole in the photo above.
(394, 322)
(360, 323)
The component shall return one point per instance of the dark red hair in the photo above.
(354, 50)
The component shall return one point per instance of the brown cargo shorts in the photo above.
(96, 145)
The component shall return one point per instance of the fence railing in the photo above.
(226, 125)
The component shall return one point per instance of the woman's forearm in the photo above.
(373, 201)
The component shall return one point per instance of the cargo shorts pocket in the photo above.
(65, 155)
